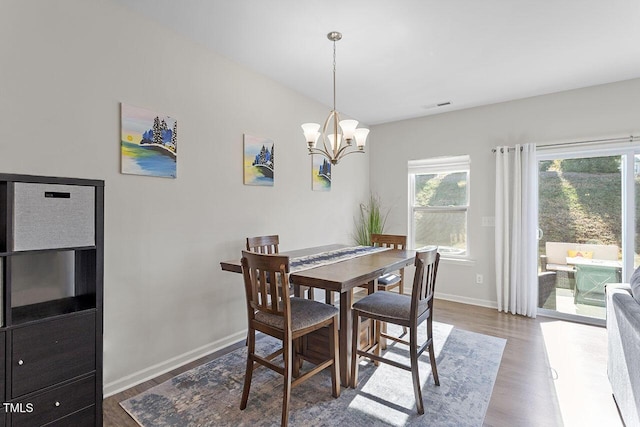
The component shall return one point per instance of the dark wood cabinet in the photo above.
(51, 276)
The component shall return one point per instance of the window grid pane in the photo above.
(440, 189)
(447, 230)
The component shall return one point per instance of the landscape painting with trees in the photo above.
(149, 143)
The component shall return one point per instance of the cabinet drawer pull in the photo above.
(20, 362)
(57, 403)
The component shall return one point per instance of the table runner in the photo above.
(329, 257)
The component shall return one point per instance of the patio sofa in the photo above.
(557, 253)
(623, 346)
(592, 266)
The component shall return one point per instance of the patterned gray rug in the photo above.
(209, 395)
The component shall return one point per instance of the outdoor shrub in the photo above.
(591, 165)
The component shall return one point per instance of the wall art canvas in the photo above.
(149, 142)
(321, 173)
(258, 161)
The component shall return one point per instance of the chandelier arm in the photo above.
(342, 150)
(350, 152)
(336, 117)
(321, 152)
(325, 151)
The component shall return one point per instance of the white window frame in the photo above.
(437, 165)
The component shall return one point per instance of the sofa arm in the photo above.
(623, 346)
(611, 288)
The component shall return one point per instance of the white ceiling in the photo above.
(397, 59)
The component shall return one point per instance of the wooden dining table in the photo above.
(342, 277)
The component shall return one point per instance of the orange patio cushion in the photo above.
(581, 254)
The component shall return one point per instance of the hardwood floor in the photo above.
(553, 372)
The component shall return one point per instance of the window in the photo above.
(438, 204)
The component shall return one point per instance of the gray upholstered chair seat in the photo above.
(304, 313)
(390, 305)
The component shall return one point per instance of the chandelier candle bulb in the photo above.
(348, 128)
(311, 133)
(335, 141)
(361, 137)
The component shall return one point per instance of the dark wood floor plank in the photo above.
(553, 373)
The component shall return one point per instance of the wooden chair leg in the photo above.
(251, 348)
(378, 341)
(333, 349)
(415, 374)
(311, 293)
(328, 297)
(286, 393)
(432, 356)
(381, 340)
(297, 360)
(401, 291)
(355, 339)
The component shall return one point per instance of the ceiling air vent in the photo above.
(438, 105)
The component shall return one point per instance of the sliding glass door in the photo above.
(587, 227)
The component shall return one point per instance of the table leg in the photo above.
(346, 321)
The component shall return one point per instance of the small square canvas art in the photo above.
(320, 173)
(148, 143)
(258, 161)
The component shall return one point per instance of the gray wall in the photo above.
(592, 113)
(66, 66)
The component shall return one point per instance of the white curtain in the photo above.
(516, 229)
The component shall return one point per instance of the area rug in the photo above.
(209, 395)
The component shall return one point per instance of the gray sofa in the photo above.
(623, 332)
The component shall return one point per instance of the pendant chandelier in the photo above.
(337, 135)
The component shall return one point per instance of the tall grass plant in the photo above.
(371, 220)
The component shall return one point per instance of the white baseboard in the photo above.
(146, 374)
(465, 300)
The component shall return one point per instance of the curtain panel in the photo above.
(516, 240)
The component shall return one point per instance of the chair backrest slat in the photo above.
(263, 244)
(424, 280)
(392, 241)
(264, 276)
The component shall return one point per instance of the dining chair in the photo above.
(272, 311)
(263, 244)
(390, 280)
(404, 310)
(394, 279)
(269, 245)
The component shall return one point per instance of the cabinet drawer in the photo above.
(52, 351)
(84, 418)
(52, 216)
(56, 403)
